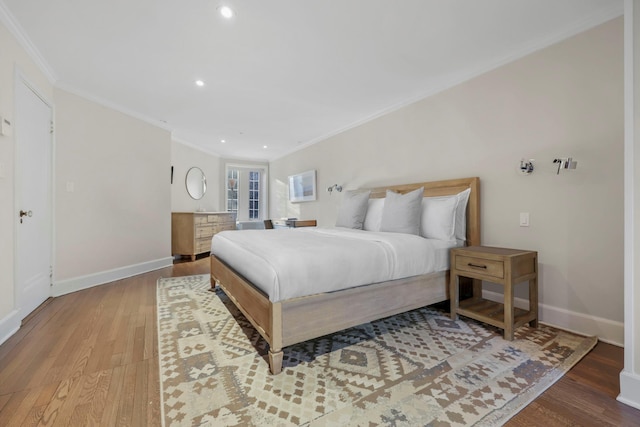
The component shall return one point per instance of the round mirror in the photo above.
(196, 183)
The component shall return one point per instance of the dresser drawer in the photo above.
(480, 265)
(219, 219)
(204, 231)
(200, 219)
(222, 227)
(203, 245)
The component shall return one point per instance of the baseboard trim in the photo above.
(9, 325)
(68, 286)
(606, 330)
(629, 389)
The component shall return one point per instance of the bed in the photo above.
(286, 321)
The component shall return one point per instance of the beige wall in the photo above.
(12, 57)
(565, 100)
(184, 157)
(119, 212)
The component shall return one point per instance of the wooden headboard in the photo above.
(446, 188)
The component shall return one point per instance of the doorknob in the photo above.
(23, 213)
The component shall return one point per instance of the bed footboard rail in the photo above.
(264, 315)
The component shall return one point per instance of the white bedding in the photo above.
(291, 263)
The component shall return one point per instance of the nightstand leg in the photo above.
(508, 312)
(533, 301)
(453, 296)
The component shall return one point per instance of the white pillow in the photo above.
(401, 212)
(443, 208)
(461, 214)
(438, 218)
(353, 209)
(373, 219)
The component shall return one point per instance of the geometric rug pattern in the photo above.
(413, 369)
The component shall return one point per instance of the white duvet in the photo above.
(291, 263)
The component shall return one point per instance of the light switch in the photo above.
(524, 219)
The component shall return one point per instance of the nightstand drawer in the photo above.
(480, 265)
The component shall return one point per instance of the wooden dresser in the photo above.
(191, 232)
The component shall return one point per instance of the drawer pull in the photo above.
(477, 266)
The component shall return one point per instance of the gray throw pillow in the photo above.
(353, 209)
(401, 213)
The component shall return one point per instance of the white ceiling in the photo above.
(281, 73)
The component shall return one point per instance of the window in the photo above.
(246, 191)
(232, 190)
(254, 195)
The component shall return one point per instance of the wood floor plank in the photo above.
(153, 384)
(127, 396)
(37, 411)
(80, 393)
(21, 411)
(9, 408)
(57, 401)
(4, 399)
(91, 358)
(98, 401)
(141, 400)
(112, 401)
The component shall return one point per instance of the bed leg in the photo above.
(275, 361)
(213, 282)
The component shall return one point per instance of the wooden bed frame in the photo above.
(299, 319)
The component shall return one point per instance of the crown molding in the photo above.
(18, 32)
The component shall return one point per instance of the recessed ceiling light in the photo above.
(199, 83)
(223, 141)
(264, 146)
(226, 12)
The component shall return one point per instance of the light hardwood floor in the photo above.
(90, 358)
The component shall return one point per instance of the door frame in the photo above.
(20, 78)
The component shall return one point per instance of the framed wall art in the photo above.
(302, 187)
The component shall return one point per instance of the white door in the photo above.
(33, 205)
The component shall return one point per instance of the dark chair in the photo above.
(268, 225)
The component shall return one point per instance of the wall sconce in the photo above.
(337, 187)
(565, 163)
(526, 167)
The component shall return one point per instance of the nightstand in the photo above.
(503, 266)
(293, 223)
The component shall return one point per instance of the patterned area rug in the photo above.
(416, 368)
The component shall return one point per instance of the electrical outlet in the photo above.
(524, 219)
